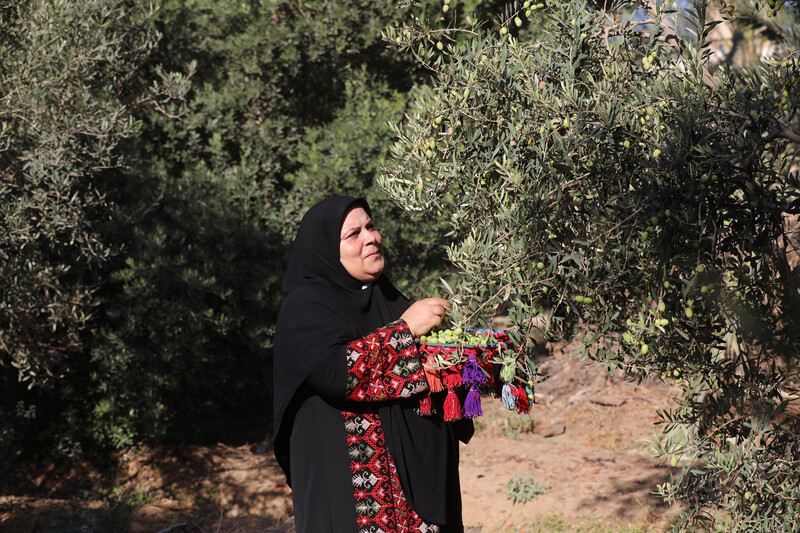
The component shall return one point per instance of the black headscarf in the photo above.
(325, 309)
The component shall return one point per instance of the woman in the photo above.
(355, 451)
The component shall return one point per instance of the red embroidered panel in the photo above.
(381, 506)
(384, 365)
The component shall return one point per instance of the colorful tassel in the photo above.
(451, 377)
(523, 405)
(531, 395)
(508, 370)
(425, 406)
(473, 376)
(509, 396)
(472, 405)
(432, 374)
(452, 407)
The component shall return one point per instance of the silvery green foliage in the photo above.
(601, 181)
(66, 112)
(71, 92)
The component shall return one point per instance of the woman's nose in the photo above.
(373, 236)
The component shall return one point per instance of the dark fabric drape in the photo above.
(325, 309)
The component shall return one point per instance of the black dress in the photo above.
(357, 455)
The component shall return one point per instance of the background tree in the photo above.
(71, 85)
(155, 163)
(633, 196)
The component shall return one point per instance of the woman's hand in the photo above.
(424, 315)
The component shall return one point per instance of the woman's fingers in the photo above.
(440, 305)
(424, 315)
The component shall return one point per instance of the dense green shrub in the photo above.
(603, 181)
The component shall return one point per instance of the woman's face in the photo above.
(361, 246)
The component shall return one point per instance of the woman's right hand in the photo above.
(424, 315)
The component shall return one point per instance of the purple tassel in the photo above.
(509, 399)
(472, 374)
(472, 405)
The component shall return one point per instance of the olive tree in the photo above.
(604, 181)
(70, 91)
(65, 80)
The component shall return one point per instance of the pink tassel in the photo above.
(452, 407)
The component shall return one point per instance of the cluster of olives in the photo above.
(430, 146)
(784, 104)
(458, 336)
(647, 61)
(655, 220)
(676, 374)
(529, 9)
(774, 7)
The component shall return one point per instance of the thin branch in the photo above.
(173, 527)
(785, 132)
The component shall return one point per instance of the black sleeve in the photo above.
(329, 379)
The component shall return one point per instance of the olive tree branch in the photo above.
(779, 130)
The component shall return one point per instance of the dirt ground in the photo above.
(584, 444)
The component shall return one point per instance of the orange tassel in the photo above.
(432, 374)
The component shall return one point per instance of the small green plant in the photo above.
(499, 421)
(513, 427)
(139, 497)
(523, 488)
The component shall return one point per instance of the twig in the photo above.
(173, 527)
(199, 527)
